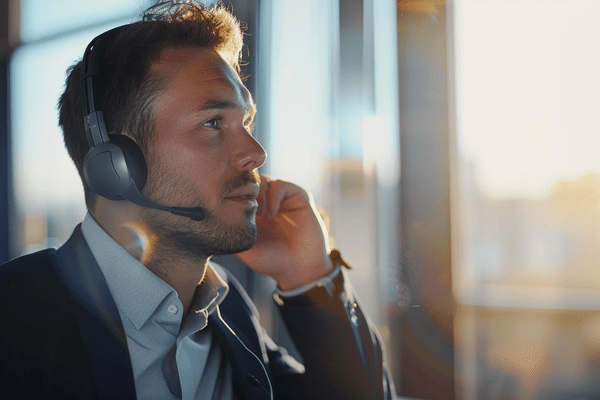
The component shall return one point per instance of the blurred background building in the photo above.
(453, 145)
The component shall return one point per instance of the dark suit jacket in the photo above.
(61, 337)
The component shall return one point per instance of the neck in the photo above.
(182, 272)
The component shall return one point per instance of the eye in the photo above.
(212, 123)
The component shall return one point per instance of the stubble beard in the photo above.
(182, 236)
(206, 238)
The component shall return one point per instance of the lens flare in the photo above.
(142, 241)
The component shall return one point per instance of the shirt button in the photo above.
(353, 316)
(172, 309)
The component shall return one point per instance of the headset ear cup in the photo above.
(134, 158)
(110, 168)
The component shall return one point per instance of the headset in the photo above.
(114, 166)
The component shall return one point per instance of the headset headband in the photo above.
(93, 119)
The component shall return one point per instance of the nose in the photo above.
(251, 154)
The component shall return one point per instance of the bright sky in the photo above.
(528, 91)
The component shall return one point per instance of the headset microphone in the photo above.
(114, 167)
(133, 194)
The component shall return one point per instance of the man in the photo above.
(131, 305)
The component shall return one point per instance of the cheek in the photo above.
(205, 156)
(165, 163)
(191, 168)
(173, 156)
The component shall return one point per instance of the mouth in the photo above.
(246, 195)
(249, 192)
(244, 201)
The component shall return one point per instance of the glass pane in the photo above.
(527, 136)
(526, 210)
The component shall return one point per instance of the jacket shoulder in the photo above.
(33, 259)
(42, 354)
(31, 283)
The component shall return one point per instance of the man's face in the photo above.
(202, 155)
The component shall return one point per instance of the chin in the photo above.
(214, 235)
(232, 244)
(225, 238)
(247, 218)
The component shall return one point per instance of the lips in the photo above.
(248, 192)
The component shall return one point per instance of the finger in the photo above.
(265, 182)
(275, 196)
(286, 196)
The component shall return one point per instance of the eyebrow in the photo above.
(225, 105)
(217, 104)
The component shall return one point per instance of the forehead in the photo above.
(200, 68)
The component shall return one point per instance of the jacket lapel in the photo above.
(98, 320)
(250, 380)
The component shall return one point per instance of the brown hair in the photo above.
(125, 89)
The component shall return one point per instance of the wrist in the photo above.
(325, 282)
(333, 260)
(318, 293)
(297, 279)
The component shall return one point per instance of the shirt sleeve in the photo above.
(326, 282)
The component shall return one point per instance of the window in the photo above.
(526, 237)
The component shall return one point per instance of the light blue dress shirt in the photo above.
(172, 357)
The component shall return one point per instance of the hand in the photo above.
(292, 245)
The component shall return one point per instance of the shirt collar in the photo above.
(137, 291)
(210, 292)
